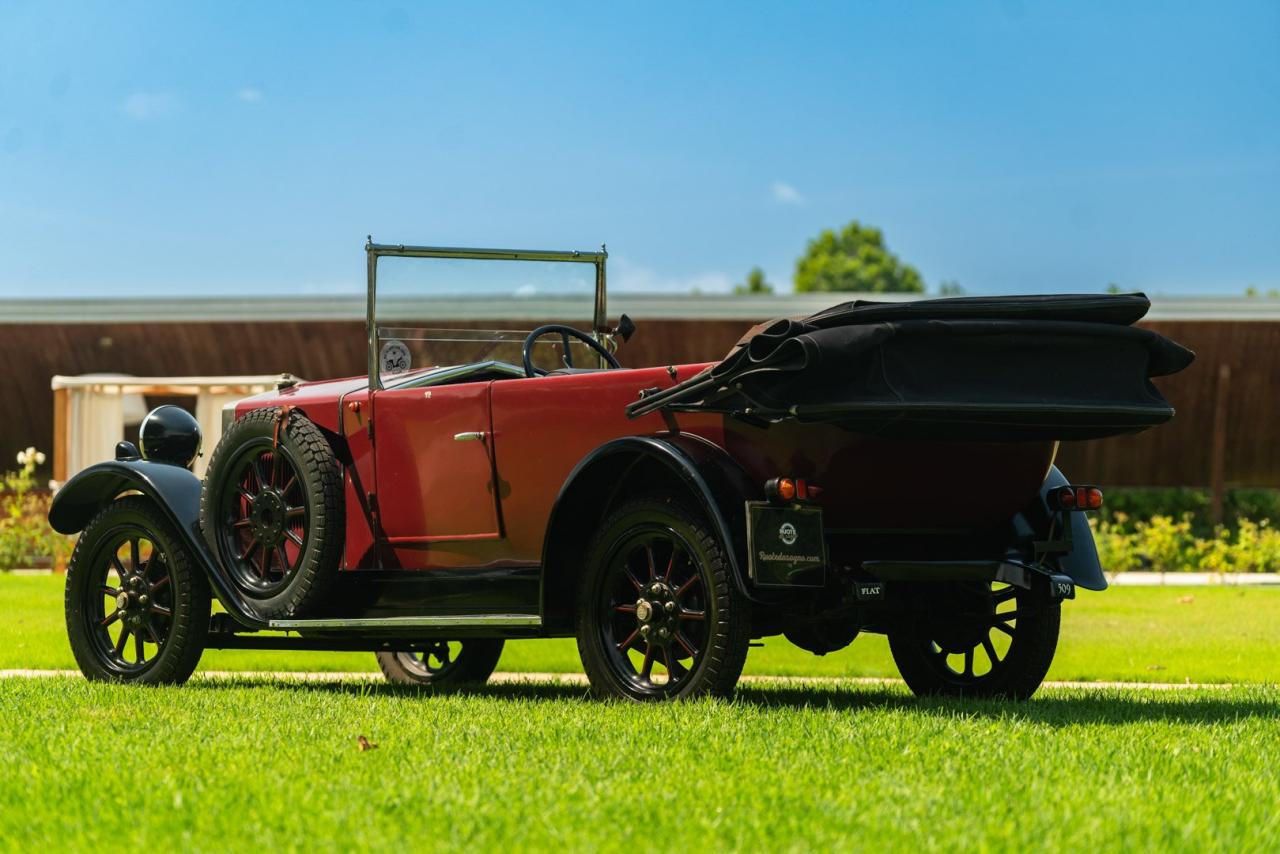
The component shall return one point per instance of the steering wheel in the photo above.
(566, 332)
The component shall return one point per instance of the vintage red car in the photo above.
(874, 468)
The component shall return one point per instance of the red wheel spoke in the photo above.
(648, 557)
(692, 581)
(293, 481)
(161, 610)
(241, 523)
(121, 641)
(631, 638)
(671, 564)
(292, 535)
(266, 560)
(138, 649)
(283, 558)
(295, 512)
(693, 615)
(647, 671)
(151, 630)
(109, 619)
(631, 576)
(249, 549)
(109, 591)
(684, 642)
(675, 670)
(245, 494)
(133, 555)
(625, 609)
(119, 567)
(160, 585)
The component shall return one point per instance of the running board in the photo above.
(447, 621)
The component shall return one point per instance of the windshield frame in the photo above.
(374, 251)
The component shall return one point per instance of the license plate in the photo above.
(785, 545)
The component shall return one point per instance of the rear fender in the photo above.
(1081, 563)
(175, 490)
(687, 465)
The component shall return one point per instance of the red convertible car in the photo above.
(876, 467)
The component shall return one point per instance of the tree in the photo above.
(950, 288)
(856, 259)
(755, 283)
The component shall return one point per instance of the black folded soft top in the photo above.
(975, 368)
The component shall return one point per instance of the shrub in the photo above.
(1163, 544)
(25, 536)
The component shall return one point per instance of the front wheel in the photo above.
(982, 640)
(658, 615)
(443, 663)
(137, 606)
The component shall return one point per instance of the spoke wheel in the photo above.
(272, 510)
(265, 518)
(137, 610)
(658, 615)
(989, 640)
(443, 662)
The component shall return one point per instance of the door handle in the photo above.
(477, 436)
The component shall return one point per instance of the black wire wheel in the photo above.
(272, 511)
(658, 615)
(443, 663)
(982, 640)
(137, 607)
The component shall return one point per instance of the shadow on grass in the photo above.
(1051, 708)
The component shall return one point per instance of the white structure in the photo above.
(90, 412)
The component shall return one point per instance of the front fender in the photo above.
(175, 490)
(1081, 563)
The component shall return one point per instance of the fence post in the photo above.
(1218, 448)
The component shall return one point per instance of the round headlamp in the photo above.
(169, 434)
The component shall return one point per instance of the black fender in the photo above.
(700, 470)
(175, 490)
(1081, 563)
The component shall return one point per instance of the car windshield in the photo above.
(433, 312)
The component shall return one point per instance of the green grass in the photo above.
(247, 764)
(233, 766)
(1150, 634)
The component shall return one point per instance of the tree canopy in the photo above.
(855, 259)
(755, 284)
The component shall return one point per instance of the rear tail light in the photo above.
(1076, 498)
(783, 490)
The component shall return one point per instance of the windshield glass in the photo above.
(434, 312)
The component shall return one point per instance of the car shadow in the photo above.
(1053, 707)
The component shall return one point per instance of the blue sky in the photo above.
(225, 147)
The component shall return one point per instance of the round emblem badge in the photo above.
(394, 357)
(787, 533)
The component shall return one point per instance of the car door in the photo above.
(433, 451)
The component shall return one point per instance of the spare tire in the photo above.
(272, 511)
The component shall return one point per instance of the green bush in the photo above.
(1163, 544)
(25, 536)
(1133, 504)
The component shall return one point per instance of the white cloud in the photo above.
(250, 95)
(146, 105)
(632, 278)
(784, 193)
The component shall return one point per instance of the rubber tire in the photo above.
(475, 663)
(1020, 676)
(182, 650)
(730, 618)
(321, 479)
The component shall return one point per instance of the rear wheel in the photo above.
(443, 663)
(991, 640)
(658, 615)
(272, 511)
(137, 606)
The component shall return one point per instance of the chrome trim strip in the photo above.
(458, 621)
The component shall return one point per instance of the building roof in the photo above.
(639, 306)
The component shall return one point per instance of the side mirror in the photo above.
(625, 329)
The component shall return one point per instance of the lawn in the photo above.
(1140, 634)
(232, 766)
(251, 764)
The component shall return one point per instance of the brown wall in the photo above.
(1175, 455)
